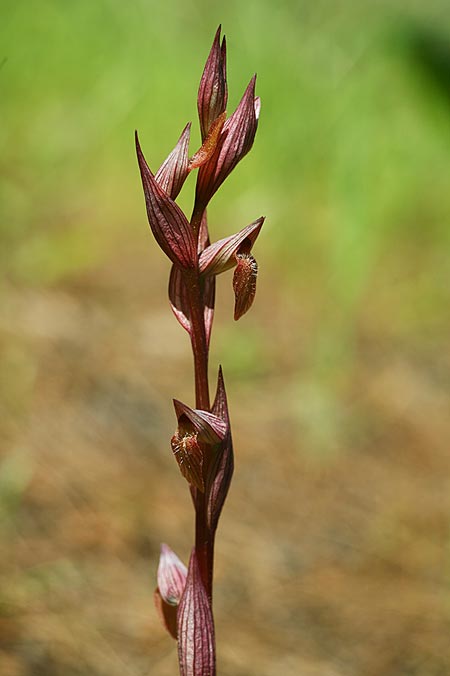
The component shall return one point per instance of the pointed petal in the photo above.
(225, 465)
(189, 456)
(244, 284)
(174, 170)
(235, 141)
(196, 642)
(179, 299)
(208, 426)
(212, 92)
(221, 255)
(209, 145)
(171, 575)
(167, 613)
(169, 225)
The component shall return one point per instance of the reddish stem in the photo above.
(204, 538)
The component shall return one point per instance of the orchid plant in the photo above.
(202, 443)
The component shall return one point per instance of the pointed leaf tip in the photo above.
(174, 170)
(169, 225)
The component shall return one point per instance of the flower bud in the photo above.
(212, 92)
(169, 225)
(236, 139)
(171, 576)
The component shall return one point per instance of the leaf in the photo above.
(196, 640)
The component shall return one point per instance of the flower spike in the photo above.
(169, 225)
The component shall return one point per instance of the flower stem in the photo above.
(204, 538)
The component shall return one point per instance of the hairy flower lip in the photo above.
(221, 255)
(244, 283)
(169, 225)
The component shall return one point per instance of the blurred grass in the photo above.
(344, 353)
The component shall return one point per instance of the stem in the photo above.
(204, 537)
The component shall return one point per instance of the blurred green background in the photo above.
(333, 554)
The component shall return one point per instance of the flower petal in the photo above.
(225, 466)
(169, 225)
(196, 641)
(171, 576)
(174, 170)
(235, 141)
(212, 92)
(179, 300)
(208, 426)
(221, 255)
(244, 284)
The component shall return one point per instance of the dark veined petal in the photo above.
(223, 472)
(196, 640)
(235, 141)
(174, 170)
(171, 575)
(209, 428)
(169, 225)
(179, 300)
(221, 255)
(212, 92)
(244, 284)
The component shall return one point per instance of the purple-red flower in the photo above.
(169, 225)
(197, 436)
(213, 92)
(171, 577)
(235, 251)
(235, 141)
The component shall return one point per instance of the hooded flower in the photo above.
(235, 251)
(193, 443)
